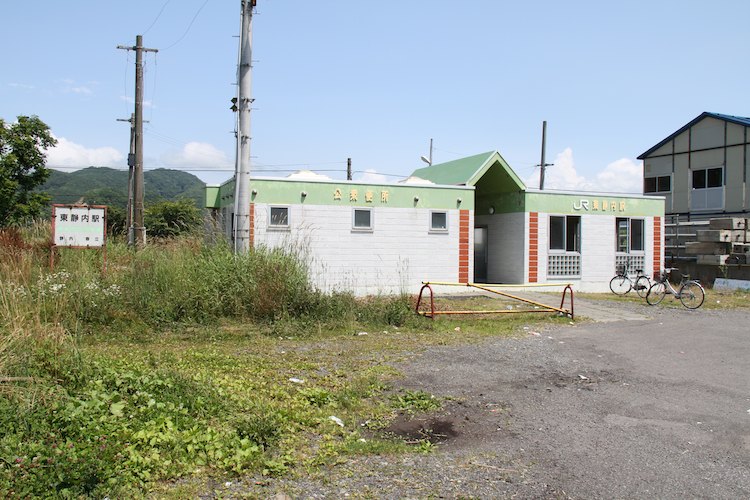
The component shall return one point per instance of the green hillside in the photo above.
(107, 186)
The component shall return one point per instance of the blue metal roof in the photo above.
(740, 120)
(735, 119)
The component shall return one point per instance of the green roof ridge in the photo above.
(467, 171)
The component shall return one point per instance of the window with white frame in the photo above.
(439, 222)
(278, 217)
(629, 244)
(630, 235)
(362, 219)
(565, 246)
(707, 189)
(565, 233)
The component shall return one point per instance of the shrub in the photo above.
(169, 219)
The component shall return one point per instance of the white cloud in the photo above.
(71, 86)
(621, 176)
(371, 176)
(81, 90)
(21, 85)
(74, 156)
(197, 154)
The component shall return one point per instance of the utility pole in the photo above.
(139, 230)
(428, 159)
(542, 164)
(242, 174)
(348, 169)
(131, 164)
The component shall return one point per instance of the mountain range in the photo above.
(108, 186)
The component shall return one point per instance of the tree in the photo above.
(168, 219)
(22, 168)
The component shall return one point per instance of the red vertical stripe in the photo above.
(533, 247)
(657, 245)
(252, 225)
(463, 246)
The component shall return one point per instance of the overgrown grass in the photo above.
(184, 359)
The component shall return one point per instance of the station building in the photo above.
(468, 220)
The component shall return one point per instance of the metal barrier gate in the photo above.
(539, 307)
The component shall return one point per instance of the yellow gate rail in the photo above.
(488, 287)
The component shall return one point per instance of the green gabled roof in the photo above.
(467, 171)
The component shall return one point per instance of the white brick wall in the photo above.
(397, 255)
(597, 252)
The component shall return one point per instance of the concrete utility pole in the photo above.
(139, 230)
(131, 164)
(242, 174)
(542, 164)
(348, 169)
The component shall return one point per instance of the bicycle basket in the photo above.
(620, 269)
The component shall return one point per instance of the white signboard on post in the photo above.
(78, 226)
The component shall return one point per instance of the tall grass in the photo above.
(64, 417)
(180, 281)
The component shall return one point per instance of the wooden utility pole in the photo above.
(139, 230)
(348, 169)
(544, 148)
(244, 100)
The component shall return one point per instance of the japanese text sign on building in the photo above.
(599, 205)
(354, 195)
(78, 226)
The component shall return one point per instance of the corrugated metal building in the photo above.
(702, 168)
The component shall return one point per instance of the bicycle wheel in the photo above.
(692, 295)
(642, 285)
(620, 285)
(656, 293)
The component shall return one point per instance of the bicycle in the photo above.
(622, 283)
(690, 292)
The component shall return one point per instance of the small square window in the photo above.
(664, 184)
(279, 217)
(699, 179)
(715, 177)
(362, 219)
(439, 221)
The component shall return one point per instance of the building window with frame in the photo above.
(565, 245)
(630, 244)
(565, 233)
(630, 235)
(659, 184)
(278, 217)
(362, 219)
(707, 189)
(438, 222)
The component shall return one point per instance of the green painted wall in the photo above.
(284, 192)
(590, 203)
(212, 196)
(572, 204)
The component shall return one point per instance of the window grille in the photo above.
(564, 265)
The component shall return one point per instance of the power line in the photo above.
(189, 26)
(153, 87)
(157, 17)
(207, 169)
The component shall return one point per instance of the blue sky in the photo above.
(375, 81)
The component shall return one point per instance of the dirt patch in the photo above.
(456, 425)
(413, 430)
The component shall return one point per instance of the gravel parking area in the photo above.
(653, 406)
